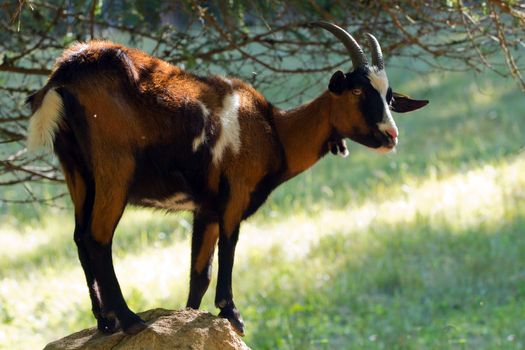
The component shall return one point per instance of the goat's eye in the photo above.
(357, 91)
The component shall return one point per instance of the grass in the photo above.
(424, 249)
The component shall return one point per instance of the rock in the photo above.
(185, 329)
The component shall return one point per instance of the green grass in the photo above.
(397, 288)
(423, 249)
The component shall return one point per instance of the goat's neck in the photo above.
(304, 132)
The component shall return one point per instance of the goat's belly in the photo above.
(177, 201)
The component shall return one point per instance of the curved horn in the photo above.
(377, 55)
(356, 53)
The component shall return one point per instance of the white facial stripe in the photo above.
(199, 140)
(230, 135)
(44, 122)
(379, 81)
(388, 121)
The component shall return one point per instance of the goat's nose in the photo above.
(392, 132)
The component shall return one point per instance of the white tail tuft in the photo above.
(44, 123)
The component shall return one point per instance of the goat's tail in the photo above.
(48, 110)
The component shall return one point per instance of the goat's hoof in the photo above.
(130, 322)
(107, 325)
(135, 328)
(233, 315)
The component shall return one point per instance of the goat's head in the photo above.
(362, 99)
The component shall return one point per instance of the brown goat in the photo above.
(131, 128)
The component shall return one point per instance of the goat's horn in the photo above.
(356, 53)
(377, 55)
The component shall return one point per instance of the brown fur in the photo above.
(77, 191)
(211, 235)
(303, 149)
(345, 113)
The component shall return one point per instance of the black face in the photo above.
(371, 105)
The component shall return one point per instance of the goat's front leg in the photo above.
(224, 293)
(204, 238)
(229, 223)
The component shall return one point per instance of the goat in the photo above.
(130, 128)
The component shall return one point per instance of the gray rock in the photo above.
(185, 329)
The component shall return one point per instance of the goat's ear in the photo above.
(337, 83)
(402, 103)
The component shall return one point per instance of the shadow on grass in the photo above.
(414, 286)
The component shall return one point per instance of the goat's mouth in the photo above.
(386, 141)
(377, 140)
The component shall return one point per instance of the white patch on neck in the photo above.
(379, 81)
(199, 140)
(230, 135)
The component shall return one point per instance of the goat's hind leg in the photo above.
(82, 193)
(106, 323)
(109, 202)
